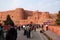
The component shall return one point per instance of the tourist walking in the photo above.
(11, 34)
(46, 27)
(28, 32)
(31, 32)
(24, 27)
(19, 28)
(1, 33)
(42, 30)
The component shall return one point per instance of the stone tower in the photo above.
(36, 16)
(19, 12)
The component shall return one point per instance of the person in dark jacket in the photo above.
(1, 33)
(19, 28)
(11, 34)
(28, 31)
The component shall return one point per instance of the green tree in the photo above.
(8, 21)
(58, 19)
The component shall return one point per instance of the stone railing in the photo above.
(54, 29)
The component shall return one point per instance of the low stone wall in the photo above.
(54, 29)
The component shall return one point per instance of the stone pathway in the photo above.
(36, 36)
(52, 35)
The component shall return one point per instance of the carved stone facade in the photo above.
(21, 16)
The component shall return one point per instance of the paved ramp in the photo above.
(36, 36)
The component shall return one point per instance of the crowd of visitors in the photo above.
(11, 34)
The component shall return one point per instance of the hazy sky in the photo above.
(41, 5)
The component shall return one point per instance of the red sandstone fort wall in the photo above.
(21, 16)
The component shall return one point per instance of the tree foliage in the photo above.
(58, 19)
(8, 21)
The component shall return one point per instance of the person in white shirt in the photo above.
(24, 27)
(46, 27)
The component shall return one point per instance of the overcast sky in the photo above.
(41, 5)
